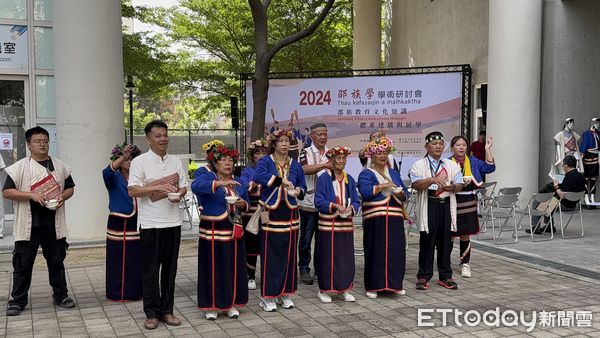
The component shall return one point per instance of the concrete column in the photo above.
(514, 63)
(366, 28)
(89, 104)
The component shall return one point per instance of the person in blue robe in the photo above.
(383, 193)
(336, 198)
(222, 276)
(123, 246)
(283, 182)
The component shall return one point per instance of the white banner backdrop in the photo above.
(409, 106)
(13, 47)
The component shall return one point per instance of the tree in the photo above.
(217, 44)
(264, 56)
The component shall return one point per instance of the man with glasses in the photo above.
(38, 186)
(313, 159)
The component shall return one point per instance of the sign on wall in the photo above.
(409, 106)
(6, 141)
(13, 47)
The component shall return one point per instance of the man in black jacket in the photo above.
(573, 182)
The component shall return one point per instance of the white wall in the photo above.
(89, 103)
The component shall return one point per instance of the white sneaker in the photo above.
(286, 302)
(325, 298)
(232, 313)
(348, 297)
(268, 305)
(465, 270)
(400, 292)
(211, 315)
(251, 284)
(372, 295)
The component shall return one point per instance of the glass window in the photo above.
(43, 10)
(45, 96)
(53, 146)
(13, 9)
(44, 48)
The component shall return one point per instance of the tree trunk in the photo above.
(264, 55)
(260, 90)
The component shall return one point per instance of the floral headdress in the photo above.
(379, 131)
(117, 151)
(252, 146)
(217, 152)
(212, 143)
(272, 138)
(338, 151)
(379, 146)
(260, 143)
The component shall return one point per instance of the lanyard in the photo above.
(434, 172)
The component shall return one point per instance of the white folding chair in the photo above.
(502, 207)
(510, 191)
(185, 204)
(411, 209)
(544, 200)
(574, 197)
(503, 191)
(486, 194)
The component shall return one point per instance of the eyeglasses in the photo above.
(44, 142)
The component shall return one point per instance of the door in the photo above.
(13, 107)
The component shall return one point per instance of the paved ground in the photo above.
(497, 282)
(555, 276)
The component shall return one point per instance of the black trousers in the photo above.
(54, 251)
(439, 237)
(160, 251)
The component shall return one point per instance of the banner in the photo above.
(13, 47)
(408, 106)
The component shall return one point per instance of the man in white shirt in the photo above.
(151, 176)
(313, 160)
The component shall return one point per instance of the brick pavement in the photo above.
(497, 282)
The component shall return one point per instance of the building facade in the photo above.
(61, 68)
(538, 58)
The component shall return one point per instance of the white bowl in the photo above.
(467, 179)
(51, 204)
(397, 190)
(292, 192)
(346, 215)
(231, 199)
(387, 192)
(173, 196)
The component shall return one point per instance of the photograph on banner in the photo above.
(408, 106)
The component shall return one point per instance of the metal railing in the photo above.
(188, 141)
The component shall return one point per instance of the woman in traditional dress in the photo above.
(123, 246)
(283, 181)
(383, 192)
(256, 150)
(222, 277)
(337, 201)
(467, 221)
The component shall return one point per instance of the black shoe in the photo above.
(536, 231)
(422, 284)
(305, 278)
(14, 310)
(448, 283)
(66, 303)
(553, 229)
